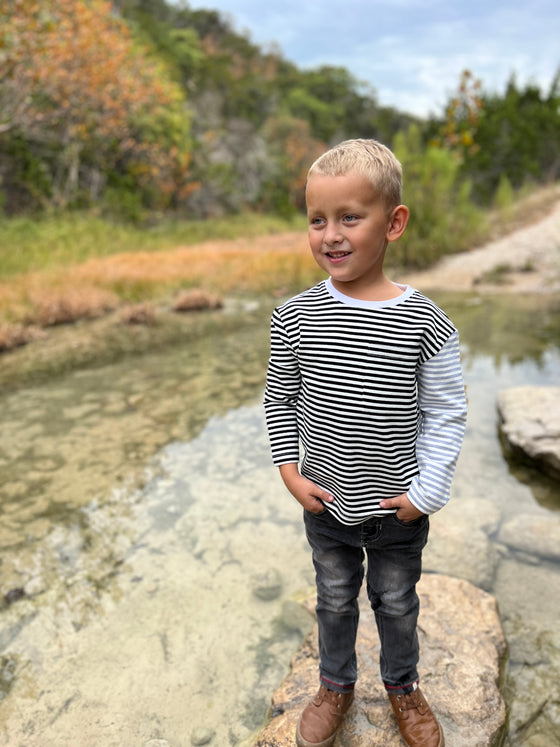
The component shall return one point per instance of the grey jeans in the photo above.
(394, 563)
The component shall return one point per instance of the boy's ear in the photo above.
(397, 222)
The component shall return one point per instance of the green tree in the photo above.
(443, 218)
(518, 137)
(242, 97)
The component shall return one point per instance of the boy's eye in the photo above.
(350, 218)
(316, 221)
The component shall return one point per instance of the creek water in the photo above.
(152, 562)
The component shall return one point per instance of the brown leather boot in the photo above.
(321, 719)
(418, 725)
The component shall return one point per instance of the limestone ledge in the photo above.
(462, 647)
(530, 424)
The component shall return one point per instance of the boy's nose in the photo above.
(332, 235)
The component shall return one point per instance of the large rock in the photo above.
(462, 646)
(530, 424)
(534, 534)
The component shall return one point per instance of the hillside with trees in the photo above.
(140, 107)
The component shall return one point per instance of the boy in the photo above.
(366, 374)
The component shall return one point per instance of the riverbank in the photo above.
(132, 331)
(524, 261)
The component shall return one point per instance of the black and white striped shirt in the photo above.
(374, 393)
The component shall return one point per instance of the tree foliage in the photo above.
(252, 109)
(84, 106)
(518, 138)
(462, 117)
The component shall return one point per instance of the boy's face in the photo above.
(349, 229)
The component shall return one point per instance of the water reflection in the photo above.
(506, 330)
(138, 505)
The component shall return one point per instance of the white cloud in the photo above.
(412, 52)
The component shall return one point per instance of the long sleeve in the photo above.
(443, 408)
(281, 396)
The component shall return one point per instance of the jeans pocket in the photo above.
(316, 515)
(413, 523)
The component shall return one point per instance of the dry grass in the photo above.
(138, 313)
(68, 303)
(220, 267)
(192, 277)
(14, 335)
(526, 209)
(195, 300)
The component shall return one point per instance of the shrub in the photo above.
(443, 218)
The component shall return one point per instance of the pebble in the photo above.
(202, 736)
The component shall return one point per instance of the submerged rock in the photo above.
(296, 617)
(267, 585)
(460, 542)
(533, 534)
(530, 424)
(462, 551)
(462, 646)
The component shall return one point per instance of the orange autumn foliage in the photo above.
(73, 81)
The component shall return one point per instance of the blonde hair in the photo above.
(371, 159)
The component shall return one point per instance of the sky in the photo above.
(412, 52)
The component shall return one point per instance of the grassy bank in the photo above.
(274, 264)
(30, 244)
(58, 270)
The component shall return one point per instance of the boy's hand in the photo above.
(406, 511)
(311, 497)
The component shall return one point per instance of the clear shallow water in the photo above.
(140, 514)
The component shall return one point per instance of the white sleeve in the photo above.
(443, 416)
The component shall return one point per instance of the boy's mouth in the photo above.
(335, 256)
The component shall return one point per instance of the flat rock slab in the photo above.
(462, 646)
(530, 423)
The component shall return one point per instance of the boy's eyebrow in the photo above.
(344, 208)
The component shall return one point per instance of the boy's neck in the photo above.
(382, 289)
